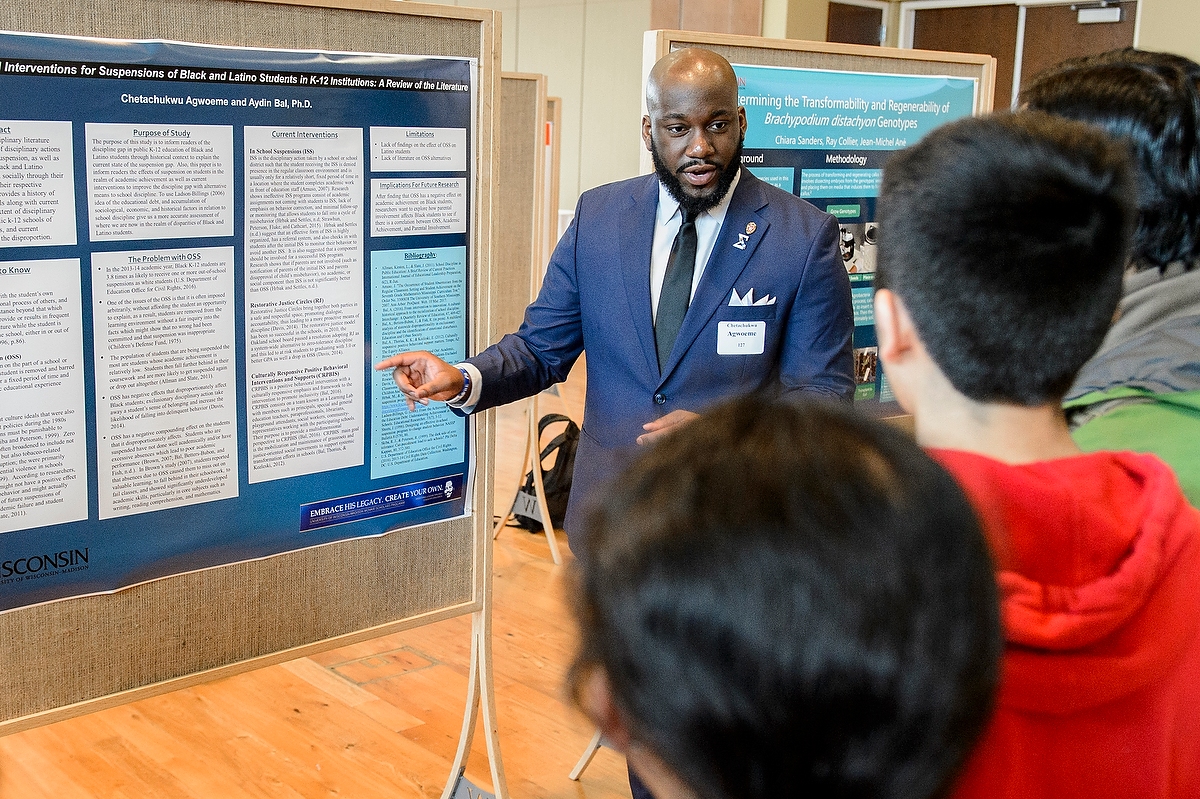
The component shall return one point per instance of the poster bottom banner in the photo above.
(342, 510)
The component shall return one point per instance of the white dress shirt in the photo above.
(667, 220)
(666, 228)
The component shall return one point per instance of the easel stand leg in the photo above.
(543, 505)
(592, 748)
(480, 691)
(530, 442)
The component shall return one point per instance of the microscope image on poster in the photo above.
(857, 245)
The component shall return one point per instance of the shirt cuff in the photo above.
(467, 404)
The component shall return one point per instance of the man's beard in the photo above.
(696, 205)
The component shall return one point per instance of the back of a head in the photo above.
(1006, 237)
(792, 602)
(1150, 101)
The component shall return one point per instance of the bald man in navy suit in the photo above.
(684, 287)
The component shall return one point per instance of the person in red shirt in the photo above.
(1003, 241)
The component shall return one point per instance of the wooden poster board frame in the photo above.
(78, 655)
(554, 118)
(520, 225)
(520, 175)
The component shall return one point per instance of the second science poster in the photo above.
(824, 136)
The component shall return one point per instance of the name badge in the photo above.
(741, 338)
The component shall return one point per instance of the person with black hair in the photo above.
(985, 312)
(787, 601)
(1142, 389)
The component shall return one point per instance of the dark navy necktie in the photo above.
(676, 289)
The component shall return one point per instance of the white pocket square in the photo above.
(748, 299)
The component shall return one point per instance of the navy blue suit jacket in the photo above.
(596, 297)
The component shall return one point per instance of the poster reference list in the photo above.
(176, 308)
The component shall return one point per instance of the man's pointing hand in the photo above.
(422, 376)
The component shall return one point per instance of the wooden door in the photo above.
(1053, 33)
(849, 24)
(712, 16)
(973, 29)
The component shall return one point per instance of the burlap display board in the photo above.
(554, 123)
(517, 222)
(520, 224)
(73, 656)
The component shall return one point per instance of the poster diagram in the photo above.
(202, 252)
(824, 136)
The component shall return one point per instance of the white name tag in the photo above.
(741, 338)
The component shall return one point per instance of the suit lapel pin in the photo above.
(740, 244)
(750, 228)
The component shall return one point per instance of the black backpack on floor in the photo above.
(556, 480)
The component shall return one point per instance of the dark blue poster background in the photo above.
(265, 518)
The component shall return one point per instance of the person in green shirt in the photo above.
(1141, 391)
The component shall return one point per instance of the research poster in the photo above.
(824, 136)
(203, 252)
